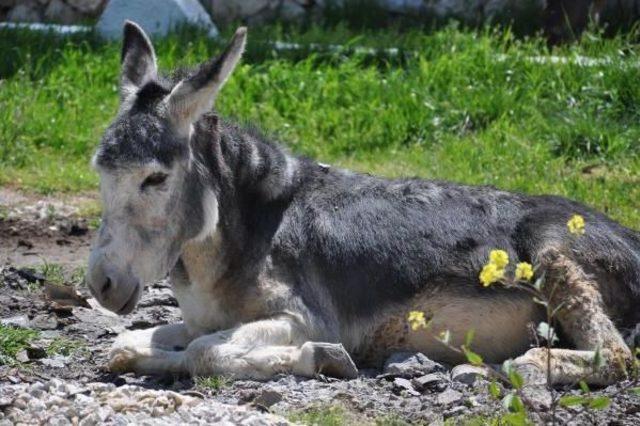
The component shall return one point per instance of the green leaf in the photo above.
(515, 419)
(539, 283)
(494, 390)
(517, 405)
(469, 337)
(635, 391)
(598, 359)
(507, 401)
(599, 402)
(445, 337)
(516, 379)
(472, 357)
(571, 400)
(547, 332)
(584, 386)
(507, 366)
(540, 301)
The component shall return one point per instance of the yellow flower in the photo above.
(524, 271)
(416, 320)
(490, 274)
(500, 258)
(576, 224)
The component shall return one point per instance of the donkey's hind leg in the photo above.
(584, 320)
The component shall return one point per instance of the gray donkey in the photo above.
(283, 265)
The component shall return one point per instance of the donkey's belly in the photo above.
(501, 327)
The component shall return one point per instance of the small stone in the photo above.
(22, 356)
(401, 384)
(20, 321)
(44, 322)
(36, 352)
(433, 381)
(455, 411)
(56, 361)
(449, 397)
(20, 403)
(91, 420)
(409, 365)
(267, 398)
(468, 374)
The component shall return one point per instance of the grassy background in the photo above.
(469, 106)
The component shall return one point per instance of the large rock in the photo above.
(156, 17)
(225, 12)
(25, 11)
(61, 12)
(87, 6)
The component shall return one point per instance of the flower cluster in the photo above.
(416, 320)
(494, 271)
(576, 224)
(524, 271)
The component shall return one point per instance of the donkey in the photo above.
(281, 264)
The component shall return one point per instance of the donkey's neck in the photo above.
(253, 181)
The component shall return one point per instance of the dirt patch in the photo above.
(38, 230)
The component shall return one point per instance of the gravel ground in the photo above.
(69, 385)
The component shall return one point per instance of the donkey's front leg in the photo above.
(257, 350)
(131, 347)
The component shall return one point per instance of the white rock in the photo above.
(157, 18)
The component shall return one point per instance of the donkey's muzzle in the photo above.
(117, 292)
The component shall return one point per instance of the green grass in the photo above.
(65, 346)
(468, 106)
(212, 383)
(12, 341)
(321, 416)
(62, 275)
(339, 415)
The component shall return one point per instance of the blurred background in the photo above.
(539, 96)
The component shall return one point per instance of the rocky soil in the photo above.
(59, 376)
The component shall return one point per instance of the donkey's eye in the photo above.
(154, 179)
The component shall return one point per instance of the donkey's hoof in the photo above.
(531, 367)
(121, 360)
(330, 359)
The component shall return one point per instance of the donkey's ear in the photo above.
(195, 95)
(138, 60)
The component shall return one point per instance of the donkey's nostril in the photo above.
(106, 286)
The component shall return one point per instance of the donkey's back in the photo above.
(381, 248)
